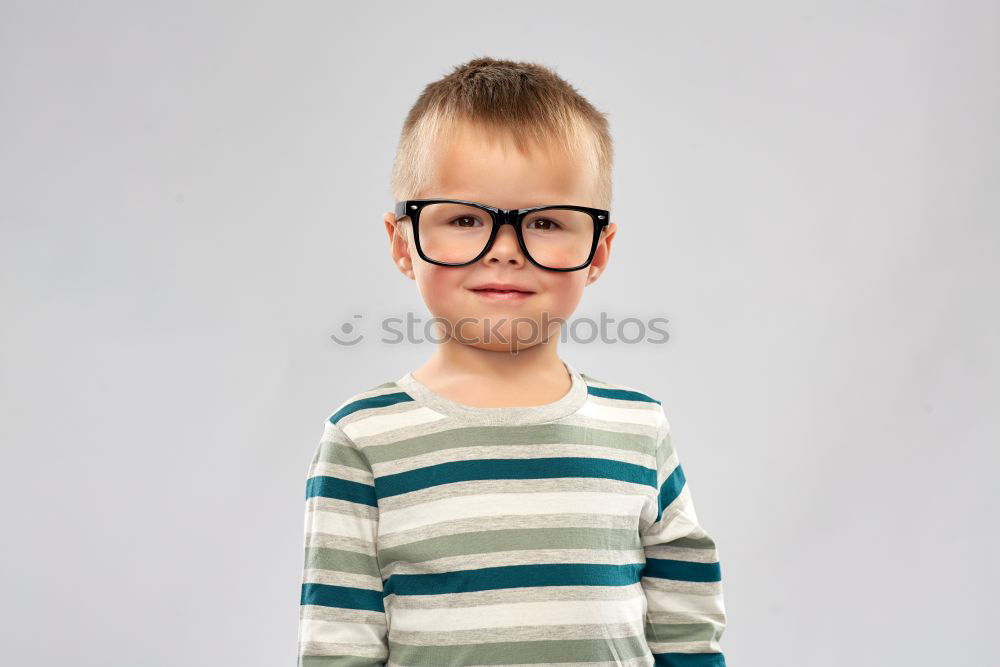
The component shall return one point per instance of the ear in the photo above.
(602, 253)
(399, 243)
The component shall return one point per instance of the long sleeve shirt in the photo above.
(438, 533)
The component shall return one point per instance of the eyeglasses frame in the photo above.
(411, 208)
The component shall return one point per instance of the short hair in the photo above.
(522, 101)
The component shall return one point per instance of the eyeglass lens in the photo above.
(455, 233)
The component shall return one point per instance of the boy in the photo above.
(495, 506)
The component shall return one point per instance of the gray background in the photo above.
(192, 195)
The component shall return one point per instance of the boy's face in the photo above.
(475, 167)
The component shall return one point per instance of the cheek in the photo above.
(563, 291)
(439, 286)
(567, 285)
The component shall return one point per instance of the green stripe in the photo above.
(341, 453)
(336, 661)
(341, 560)
(608, 649)
(514, 539)
(666, 633)
(509, 435)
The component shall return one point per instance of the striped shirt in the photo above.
(438, 533)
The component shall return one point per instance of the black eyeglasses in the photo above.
(455, 232)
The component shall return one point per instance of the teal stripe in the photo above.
(382, 401)
(344, 597)
(514, 576)
(670, 489)
(682, 570)
(621, 394)
(689, 660)
(512, 469)
(341, 489)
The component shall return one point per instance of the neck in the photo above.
(456, 361)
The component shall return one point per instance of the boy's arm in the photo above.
(342, 620)
(682, 578)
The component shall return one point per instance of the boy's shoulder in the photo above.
(377, 397)
(388, 406)
(619, 392)
(614, 395)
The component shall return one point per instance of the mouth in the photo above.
(501, 293)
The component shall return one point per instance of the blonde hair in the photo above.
(525, 102)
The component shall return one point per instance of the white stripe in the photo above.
(515, 614)
(382, 422)
(342, 632)
(516, 557)
(683, 603)
(342, 472)
(678, 520)
(609, 413)
(483, 506)
(343, 525)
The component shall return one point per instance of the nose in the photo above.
(505, 247)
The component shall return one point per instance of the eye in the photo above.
(546, 224)
(461, 221)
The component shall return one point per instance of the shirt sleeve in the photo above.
(342, 620)
(682, 578)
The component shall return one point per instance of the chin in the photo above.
(496, 331)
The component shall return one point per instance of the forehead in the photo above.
(479, 165)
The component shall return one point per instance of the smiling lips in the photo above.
(501, 291)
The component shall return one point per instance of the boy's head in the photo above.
(512, 136)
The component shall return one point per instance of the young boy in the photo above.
(496, 506)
